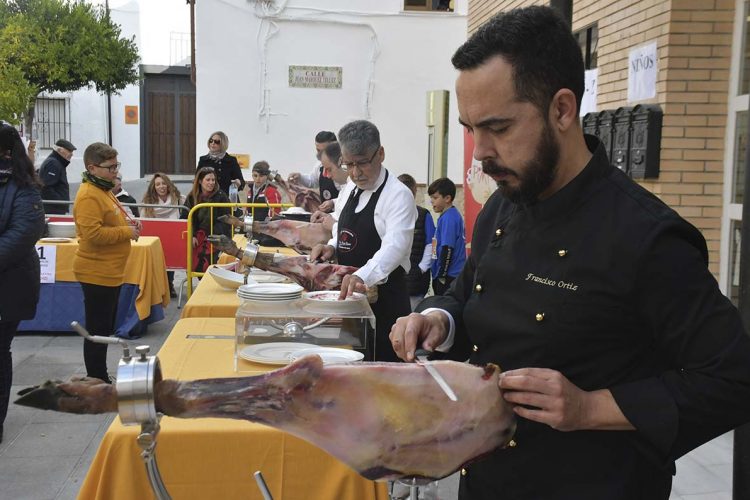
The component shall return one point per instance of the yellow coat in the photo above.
(103, 237)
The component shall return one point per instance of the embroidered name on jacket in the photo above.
(550, 282)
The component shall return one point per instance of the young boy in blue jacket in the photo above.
(449, 242)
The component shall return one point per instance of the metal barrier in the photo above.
(252, 206)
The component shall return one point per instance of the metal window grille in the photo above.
(179, 48)
(52, 120)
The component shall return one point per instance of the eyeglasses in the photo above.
(346, 165)
(214, 141)
(111, 168)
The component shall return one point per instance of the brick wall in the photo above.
(694, 40)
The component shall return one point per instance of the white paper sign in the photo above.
(588, 103)
(642, 72)
(47, 260)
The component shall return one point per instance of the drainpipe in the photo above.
(741, 479)
(192, 40)
(109, 93)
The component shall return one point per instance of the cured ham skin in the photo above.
(301, 196)
(311, 276)
(301, 236)
(385, 420)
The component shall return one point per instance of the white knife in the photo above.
(422, 360)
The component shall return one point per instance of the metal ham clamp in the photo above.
(136, 377)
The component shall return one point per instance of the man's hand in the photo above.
(321, 253)
(550, 398)
(225, 244)
(327, 206)
(237, 182)
(319, 217)
(350, 284)
(293, 177)
(425, 331)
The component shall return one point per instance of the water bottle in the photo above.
(233, 193)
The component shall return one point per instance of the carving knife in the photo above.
(422, 360)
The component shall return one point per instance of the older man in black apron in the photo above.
(376, 216)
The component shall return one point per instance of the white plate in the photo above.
(330, 355)
(268, 277)
(295, 211)
(326, 301)
(56, 240)
(225, 278)
(273, 353)
(269, 289)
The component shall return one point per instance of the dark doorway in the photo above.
(168, 120)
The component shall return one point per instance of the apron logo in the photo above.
(326, 194)
(347, 241)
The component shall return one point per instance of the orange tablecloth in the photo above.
(216, 458)
(145, 267)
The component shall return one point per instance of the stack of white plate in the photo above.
(270, 292)
(61, 229)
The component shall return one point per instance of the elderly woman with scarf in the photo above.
(205, 223)
(104, 231)
(21, 225)
(226, 166)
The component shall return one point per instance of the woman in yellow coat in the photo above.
(104, 232)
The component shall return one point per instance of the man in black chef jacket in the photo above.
(374, 230)
(619, 350)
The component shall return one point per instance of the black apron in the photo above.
(259, 214)
(358, 240)
(328, 189)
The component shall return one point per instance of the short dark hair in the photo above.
(325, 136)
(409, 182)
(98, 152)
(444, 187)
(262, 167)
(333, 152)
(540, 47)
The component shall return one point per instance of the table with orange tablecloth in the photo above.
(142, 297)
(216, 458)
(210, 300)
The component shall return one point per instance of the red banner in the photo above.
(477, 188)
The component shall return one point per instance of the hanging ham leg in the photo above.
(310, 275)
(301, 196)
(301, 236)
(385, 420)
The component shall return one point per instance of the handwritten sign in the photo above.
(588, 103)
(316, 77)
(642, 71)
(47, 260)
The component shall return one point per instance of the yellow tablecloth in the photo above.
(145, 267)
(210, 300)
(216, 458)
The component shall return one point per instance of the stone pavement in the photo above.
(45, 455)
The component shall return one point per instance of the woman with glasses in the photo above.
(205, 223)
(104, 231)
(226, 166)
(21, 225)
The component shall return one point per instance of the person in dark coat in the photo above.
(204, 220)
(55, 178)
(226, 166)
(619, 352)
(21, 225)
(124, 197)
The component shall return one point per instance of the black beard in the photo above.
(537, 174)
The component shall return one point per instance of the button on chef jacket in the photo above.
(606, 284)
(376, 235)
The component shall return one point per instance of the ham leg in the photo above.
(301, 236)
(301, 196)
(311, 276)
(384, 420)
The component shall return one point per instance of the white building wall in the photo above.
(390, 59)
(151, 22)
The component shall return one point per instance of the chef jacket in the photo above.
(395, 216)
(608, 285)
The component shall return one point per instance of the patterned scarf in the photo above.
(102, 184)
(6, 170)
(217, 156)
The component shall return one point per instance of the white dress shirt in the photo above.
(395, 216)
(312, 180)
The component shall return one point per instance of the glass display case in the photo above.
(313, 319)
